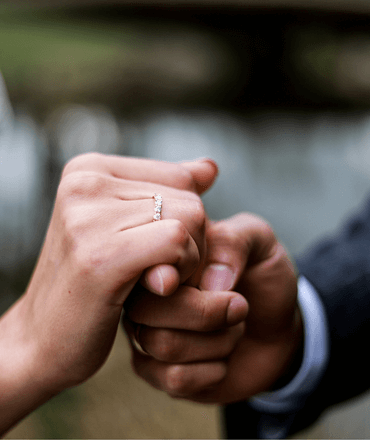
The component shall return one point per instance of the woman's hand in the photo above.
(194, 349)
(100, 240)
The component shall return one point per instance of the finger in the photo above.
(231, 244)
(182, 176)
(130, 204)
(164, 242)
(204, 173)
(130, 252)
(179, 380)
(187, 309)
(162, 279)
(181, 205)
(181, 346)
(243, 252)
(272, 292)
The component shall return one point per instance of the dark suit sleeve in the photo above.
(339, 269)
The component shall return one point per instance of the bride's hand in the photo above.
(100, 240)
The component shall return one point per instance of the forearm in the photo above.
(17, 400)
(22, 385)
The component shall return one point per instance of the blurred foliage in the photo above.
(48, 58)
(132, 59)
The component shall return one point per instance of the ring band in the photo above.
(158, 207)
(135, 341)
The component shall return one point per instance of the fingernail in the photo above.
(217, 277)
(155, 281)
(237, 310)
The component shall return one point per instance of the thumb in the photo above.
(204, 172)
(231, 245)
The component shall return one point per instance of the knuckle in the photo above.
(72, 166)
(198, 214)
(177, 383)
(265, 229)
(208, 317)
(178, 234)
(65, 187)
(81, 184)
(87, 252)
(212, 312)
(73, 222)
(82, 162)
(225, 233)
(254, 219)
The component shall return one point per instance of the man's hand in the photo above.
(101, 240)
(195, 351)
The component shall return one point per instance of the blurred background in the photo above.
(278, 93)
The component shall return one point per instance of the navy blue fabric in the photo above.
(339, 269)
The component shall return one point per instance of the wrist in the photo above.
(294, 356)
(22, 384)
(291, 371)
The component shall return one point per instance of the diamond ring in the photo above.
(158, 207)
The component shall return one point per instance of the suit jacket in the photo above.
(339, 268)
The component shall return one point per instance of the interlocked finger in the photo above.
(187, 309)
(181, 346)
(179, 380)
(196, 176)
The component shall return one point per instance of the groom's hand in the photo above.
(207, 345)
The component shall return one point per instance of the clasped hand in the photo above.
(212, 304)
(235, 335)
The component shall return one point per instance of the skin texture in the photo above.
(193, 350)
(213, 304)
(100, 242)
